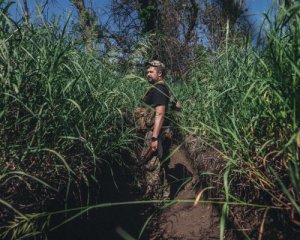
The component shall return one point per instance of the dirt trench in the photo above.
(184, 220)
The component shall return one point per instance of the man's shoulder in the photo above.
(161, 87)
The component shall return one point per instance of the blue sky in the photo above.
(257, 8)
(63, 7)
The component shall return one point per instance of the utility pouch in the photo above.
(167, 134)
(144, 117)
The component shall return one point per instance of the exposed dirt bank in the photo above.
(183, 220)
(180, 221)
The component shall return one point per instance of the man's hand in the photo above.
(154, 145)
(178, 105)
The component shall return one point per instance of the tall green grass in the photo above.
(61, 117)
(246, 104)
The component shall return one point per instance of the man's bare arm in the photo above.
(158, 122)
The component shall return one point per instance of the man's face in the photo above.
(153, 74)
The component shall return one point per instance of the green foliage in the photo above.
(4, 7)
(61, 117)
(246, 103)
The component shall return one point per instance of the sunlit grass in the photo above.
(62, 116)
(246, 104)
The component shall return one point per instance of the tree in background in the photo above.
(42, 4)
(87, 29)
(27, 13)
(177, 28)
(218, 14)
(179, 37)
(174, 30)
(87, 25)
(170, 27)
(148, 12)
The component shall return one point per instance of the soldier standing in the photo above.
(158, 134)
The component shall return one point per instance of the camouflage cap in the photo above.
(156, 63)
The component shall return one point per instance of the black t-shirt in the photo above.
(158, 95)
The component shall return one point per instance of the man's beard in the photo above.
(150, 80)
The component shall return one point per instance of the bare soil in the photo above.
(183, 220)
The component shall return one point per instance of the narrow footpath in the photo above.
(183, 220)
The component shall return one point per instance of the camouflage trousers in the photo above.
(156, 172)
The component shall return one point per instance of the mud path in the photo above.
(183, 220)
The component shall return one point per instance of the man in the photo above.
(158, 135)
(157, 97)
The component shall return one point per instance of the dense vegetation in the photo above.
(62, 118)
(245, 103)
